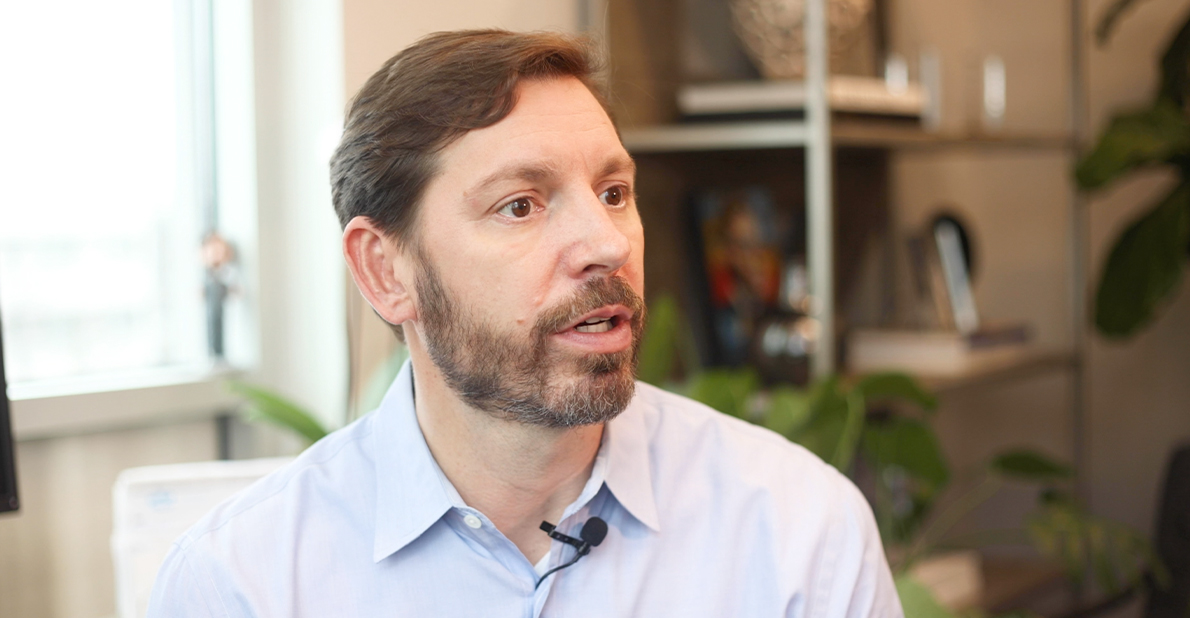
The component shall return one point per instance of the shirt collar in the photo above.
(411, 492)
(409, 496)
(629, 474)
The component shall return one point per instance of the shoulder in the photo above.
(746, 475)
(321, 502)
(335, 472)
(714, 441)
(770, 499)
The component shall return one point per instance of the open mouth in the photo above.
(597, 325)
(602, 320)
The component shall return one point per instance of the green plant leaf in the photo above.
(917, 601)
(1109, 19)
(1132, 140)
(909, 444)
(726, 390)
(268, 406)
(827, 426)
(1175, 67)
(788, 410)
(659, 346)
(1144, 266)
(896, 386)
(853, 429)
(1027, 465)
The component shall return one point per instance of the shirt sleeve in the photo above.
(181, 592)
(853, 579)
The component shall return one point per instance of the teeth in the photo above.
(596, 327)
(594, 320)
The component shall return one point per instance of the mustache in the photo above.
(593, 294)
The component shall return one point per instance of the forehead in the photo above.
(556, 123)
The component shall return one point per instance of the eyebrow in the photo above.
(531, 172)
(619, 164)
(542, 170)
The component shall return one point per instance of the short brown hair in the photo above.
(429, 95)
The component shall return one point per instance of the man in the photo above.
(489, 212)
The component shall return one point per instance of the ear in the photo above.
(380, 270)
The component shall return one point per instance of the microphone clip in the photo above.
(582, 545)
(592, 534)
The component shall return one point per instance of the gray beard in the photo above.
(526, 381)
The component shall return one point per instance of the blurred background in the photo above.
(166, 227)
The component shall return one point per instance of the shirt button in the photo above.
(473, 522)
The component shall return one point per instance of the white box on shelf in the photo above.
(847, 93)
(932, 353)
(954, 578)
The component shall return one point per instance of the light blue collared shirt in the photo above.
(707, 516)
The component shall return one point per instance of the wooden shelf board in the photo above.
(883, 134)
(1029, 364)
(770, 134)
(1010, 581)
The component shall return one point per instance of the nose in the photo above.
(596, 239)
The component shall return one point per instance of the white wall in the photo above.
(299, 116)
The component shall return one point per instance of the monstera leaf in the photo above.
(898, 386)
(1144, 267)
(655, 361)
(834, 425)
(911, 445)
(1031, 466)
(1148, 137)
(1145, 263)
(727, 390)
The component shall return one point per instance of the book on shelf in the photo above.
(940, 263)
(847, 93)
(937, 353)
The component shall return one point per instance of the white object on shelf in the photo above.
(717, 136)
(154, 505)
(954, 578)
(928, 353)
(958, 280)
(848, 93)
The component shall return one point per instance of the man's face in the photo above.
(530, 250)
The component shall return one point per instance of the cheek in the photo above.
(509, 282)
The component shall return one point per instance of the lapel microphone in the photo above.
(592, 534)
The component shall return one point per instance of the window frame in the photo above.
(70, 406)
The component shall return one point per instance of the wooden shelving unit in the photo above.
(818, 134)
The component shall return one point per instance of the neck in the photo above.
(516, 474)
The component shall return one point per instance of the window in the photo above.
(106, 187)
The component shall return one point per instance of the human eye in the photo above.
(615, 195)
(519, 208)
